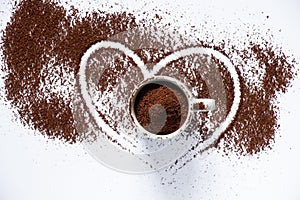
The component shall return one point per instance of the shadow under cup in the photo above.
(161, 107)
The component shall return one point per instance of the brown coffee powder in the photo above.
(160, 109)
(256, 122)
(42, 46)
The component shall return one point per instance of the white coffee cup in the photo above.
(193, 103)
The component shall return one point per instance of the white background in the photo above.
(34, 168)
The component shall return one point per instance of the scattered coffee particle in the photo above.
(161, 109)
(200, 106)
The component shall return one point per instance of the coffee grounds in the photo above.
(200, 106)
(160, 109)
(256, 123)
(42, 46)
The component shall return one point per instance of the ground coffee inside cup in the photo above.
(161, 109)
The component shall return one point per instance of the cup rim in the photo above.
(157, 79)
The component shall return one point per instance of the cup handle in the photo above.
(204, 105)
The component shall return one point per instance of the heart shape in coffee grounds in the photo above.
(152, 73)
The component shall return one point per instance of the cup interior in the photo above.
(160, 107)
